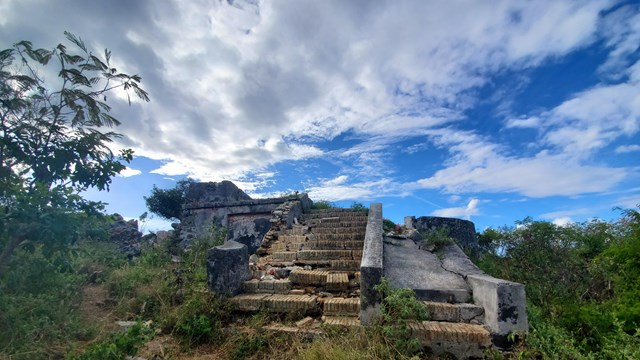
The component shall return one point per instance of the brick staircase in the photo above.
(312, 269)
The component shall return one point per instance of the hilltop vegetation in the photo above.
(582, 285)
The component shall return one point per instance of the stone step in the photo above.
(459, 339)
(335, 237)
(267, 286)
(295, 230)
(325, 255)
(455, 313)
(284, 256)
(341, 307)
(337, 281)
(348, 223)
(345, 265)
(248, 302)
(276, 302)
(342, 321)
(290, 303)
(354, 231)
(334, 245)
(309, 277)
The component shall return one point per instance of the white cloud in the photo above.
(478, 165)
(128, 172)
(531, 122)
(562, 221)
(466, 211)
(627, 148)
(254, 84)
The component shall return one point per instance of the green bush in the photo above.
(399, 306)
(356, 206)
(118, 346)
(323, 205)
(437, 237)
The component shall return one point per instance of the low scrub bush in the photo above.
(117, 346)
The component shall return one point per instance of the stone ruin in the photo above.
(282, 256)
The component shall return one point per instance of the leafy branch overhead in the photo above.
(58, 136)
(55, 130)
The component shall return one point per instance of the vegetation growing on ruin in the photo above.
(582, 283)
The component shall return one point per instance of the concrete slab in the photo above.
(406, 266)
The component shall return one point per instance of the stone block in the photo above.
(228, 268)
(504, 304)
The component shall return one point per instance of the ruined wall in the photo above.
(224, 205)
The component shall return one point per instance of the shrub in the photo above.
(399, 306)
(437, 237)
(118, 346)
(322, 205)
(356, 206)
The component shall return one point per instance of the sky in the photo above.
(490, 111)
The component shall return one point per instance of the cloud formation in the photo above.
(240, 87)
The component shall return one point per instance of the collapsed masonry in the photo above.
(325, 263)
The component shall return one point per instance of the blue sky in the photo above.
(484, 110)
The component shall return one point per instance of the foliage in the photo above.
(168, 203)
(437, 237)
(54, 140)
(356, 206)
(246, 345)
(118, 346)
(388, 225)
(39, 299)
(399, 306)
(582, 281)
(323, 205)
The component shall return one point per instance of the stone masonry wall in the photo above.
(224, 205)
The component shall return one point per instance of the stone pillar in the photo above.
(409, 222)
(228, 268)
(371, 267)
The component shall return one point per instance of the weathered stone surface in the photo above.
(371, 269)
(126, 235)
(249, 230)
(212, 192)
(406, 266)
(504, 303)
(462, 231)
(228, 268)
(455, 260)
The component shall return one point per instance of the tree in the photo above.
(168, 203)
(54, 136)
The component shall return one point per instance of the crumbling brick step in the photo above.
(324, 254)
(248, 302)
(340, 222)
(290, 303)
(296, 230)
(462, 312)
(338, 281)
(308, 277)
(430, 332)
(335, 237)
(267, 286)
(343, 321)
(334, 245)
(284, 256)
(341, 306)
(292, 238)
(348, 265)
